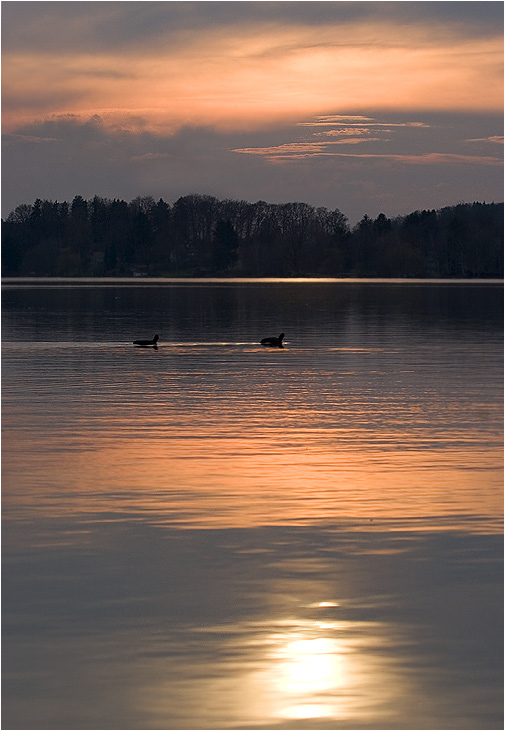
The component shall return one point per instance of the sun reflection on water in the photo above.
(287, 670)
(309, 668)
(321, 670)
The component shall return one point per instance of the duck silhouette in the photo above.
(147, 343)
(273, 342)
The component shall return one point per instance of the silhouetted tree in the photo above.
(224, 245)
(163, 234)
(79, 229)
(203, 235)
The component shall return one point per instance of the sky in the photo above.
(367, 107)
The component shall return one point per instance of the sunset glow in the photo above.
(360, 485)
(168, 99)
(254, 77)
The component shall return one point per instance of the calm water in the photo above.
(215, 535)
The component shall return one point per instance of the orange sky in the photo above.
(328, 100)
(250, 77)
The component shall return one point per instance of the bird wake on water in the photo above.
(273, 342)
(147, 343)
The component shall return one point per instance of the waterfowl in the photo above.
(146, 343)
(273, 342)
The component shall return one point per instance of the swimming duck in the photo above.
(273, 342)
(146, 343)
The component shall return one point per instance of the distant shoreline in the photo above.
(203, 237)
(250, 280)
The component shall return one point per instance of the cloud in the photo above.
(104, 26)
(344, 132)
(87, 157)
(366, 102)
(27, 139)
(430, 158)
(495, 139)
(151, 156)
(332, 120)
(238, 75)
(401, 134)
(298, 149)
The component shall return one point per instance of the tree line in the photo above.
(200, 235)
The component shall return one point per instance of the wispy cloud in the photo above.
(344, 132)
(302, 149)
(27, 139)
(494, 139)
(293, 151)
(323, 120)
(335, 119)
(430, 158)
(148, 156)
(339, 130)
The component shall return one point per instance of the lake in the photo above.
(217, 535)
